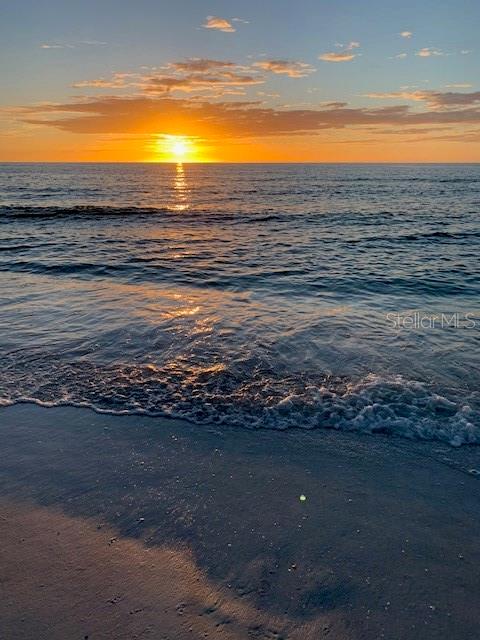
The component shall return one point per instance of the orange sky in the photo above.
(330, 86)
(56, 146)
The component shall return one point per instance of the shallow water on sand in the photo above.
(329, 296)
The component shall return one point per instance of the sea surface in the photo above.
(262, 296)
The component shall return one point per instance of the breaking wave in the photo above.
(216, 395)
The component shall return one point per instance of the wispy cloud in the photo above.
(345, 55)
(417, 96)
(428, 52)
(201, 65)
(56, 45)
(92, 43)
(437, 100)
(336, 56)
(117, 81)
(199, 82)
(129, 115)
(289, 68)
(72, 45)
(406, 34)
(202, 75)
(220, 24)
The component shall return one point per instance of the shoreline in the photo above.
(211, 539)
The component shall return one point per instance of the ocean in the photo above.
(314, 296)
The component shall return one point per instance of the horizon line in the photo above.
(279, 162)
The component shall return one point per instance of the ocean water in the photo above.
(262, 296)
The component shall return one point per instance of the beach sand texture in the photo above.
(131, 527)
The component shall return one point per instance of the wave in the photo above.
(264, 400)
(147, 270)
(420, 236)
(95, 212)
(53, 211)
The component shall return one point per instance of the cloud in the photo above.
(55, 45)
(453, 136)
(205, 75)
(66, 45)
(406, 34)
(394, 95)
(265, 94)
(400, 56)
(348, 47)
(459, 85)
(163, 114)
(198, 81)
(221, 24)
(93, 43)
(455, 99)
(285, 67)
(345, 55)
(428, 52)
(117, 81)
(435, 99)
(336, 56)
(201, 65)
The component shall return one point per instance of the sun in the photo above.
(179, 149)
(176, 148)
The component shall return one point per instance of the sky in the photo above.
(230, 81)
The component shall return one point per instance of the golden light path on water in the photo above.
(181, 190)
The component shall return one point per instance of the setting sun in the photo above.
(176, 149)
(179, 148)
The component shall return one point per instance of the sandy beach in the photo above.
(136, 527)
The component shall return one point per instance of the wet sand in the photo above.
(130, 527)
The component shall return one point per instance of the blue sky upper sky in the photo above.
(282, 54)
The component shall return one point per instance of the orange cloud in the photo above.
(200, 65)
(194, 74)
(286, 67)
(345, 55)
(334, 56)
(238, 119)
(220, 24)
(435, 99)
(199, 82)
(428, 52)
(117, 81)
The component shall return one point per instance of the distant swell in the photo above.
(51, 211)
(96, 212)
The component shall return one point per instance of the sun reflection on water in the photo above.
(180, 189)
